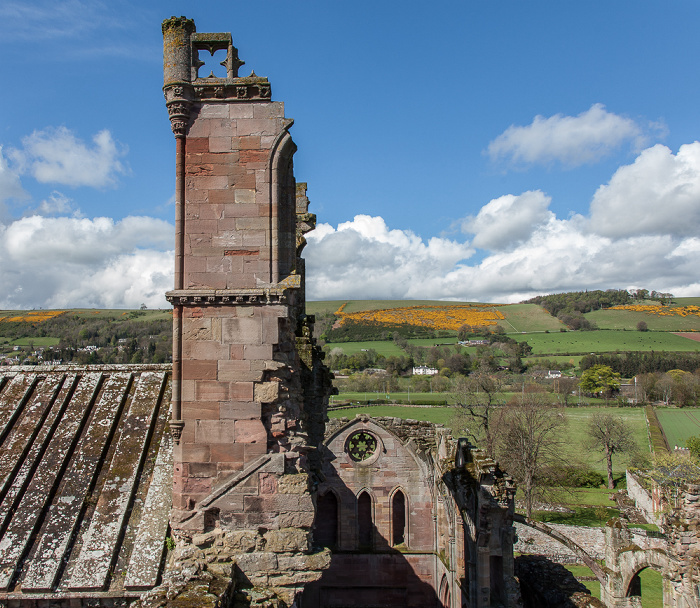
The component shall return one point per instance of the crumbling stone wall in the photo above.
(455, 546)
(249, 387)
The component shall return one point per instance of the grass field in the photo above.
(527, 318)
(679, 424)
(652, 589)
(620, 319)
(584, 342)
(41, 341)
(577, 418)
(383, 347)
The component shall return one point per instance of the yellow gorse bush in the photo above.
(450, 317)
(33, 317)
(661, 311)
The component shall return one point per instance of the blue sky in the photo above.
(453, 149)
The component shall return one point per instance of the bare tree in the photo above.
(611, 435)
(564, 387)
(530, 444)
(477, 398)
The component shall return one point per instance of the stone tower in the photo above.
(249, 389)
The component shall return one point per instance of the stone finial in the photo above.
(177, 71)
(177, 49)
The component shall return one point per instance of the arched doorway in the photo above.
(646, 589)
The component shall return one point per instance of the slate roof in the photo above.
(85, 482)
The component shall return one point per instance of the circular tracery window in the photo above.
(361, 446)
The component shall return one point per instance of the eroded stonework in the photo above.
(269, 509)
(249, 386)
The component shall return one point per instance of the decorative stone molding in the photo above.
(218, 297)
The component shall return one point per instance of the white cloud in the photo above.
(657, 194)
(10, 186)
(628, 241)
(508, 220)
(365, 255)
(70, 262)
(57, 156)
(569, 140)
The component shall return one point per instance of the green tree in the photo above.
(609, 434)
(693, 444)
(600, 379)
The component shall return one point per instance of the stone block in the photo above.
(214, 431)
(241, 391)
(203, 410)
(241, 331)
(240, 410)
(197, 144)
(252, 223)
(242, 541)
(250, 431)
(266, 392)
(254, 238)
(270, 331)
(248, 142)
(296, 519)
(273, 109)
(211, 182)
(187, 389)
(196, 329)
(268, 483)
(287, 540)
(227, 452)
(194, 453)
(262, 351)
(199, 370)
(244, 196)
(254, 157)
(226, 238)
(258, 126)
(206, 280)
(251, 451)
(294, 484)
(240, 110)
(213, 110)
(220, 197)
(218, 264)
(251, 563)
(199, 128)
(236, 210)
(211, 390)
(220, 144)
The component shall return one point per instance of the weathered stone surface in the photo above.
(52, 487)
(97, 553)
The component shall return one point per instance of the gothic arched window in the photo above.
(364, 520)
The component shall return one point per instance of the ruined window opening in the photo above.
(212, 64)
(326, 526)
(364, 520)
(496, 576)
(398, 518)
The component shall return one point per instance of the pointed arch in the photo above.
(326, 522)
(365, 520)
(399, 517)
